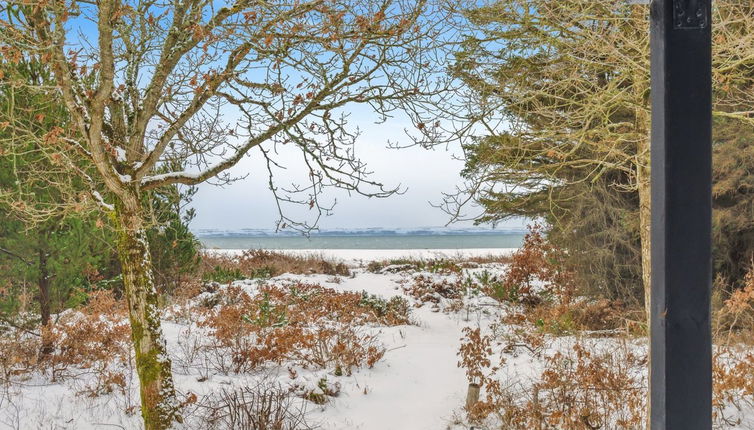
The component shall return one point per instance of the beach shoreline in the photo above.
(357, 256)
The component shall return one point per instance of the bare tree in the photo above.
(154, 84)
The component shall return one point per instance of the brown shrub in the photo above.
(734, 320)
(95, 338)
(584, 388)
(577, 389)
(599, 316)
(591, 386)
(258, 263)
(474, 354)
(537, 261)
(537, 280)
(312, 325)
(19, 353)
(733, 383)
(340, 348)
(592, 389)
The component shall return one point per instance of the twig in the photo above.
(14, 325)
(13, 254)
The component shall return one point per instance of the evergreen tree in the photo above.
(569, 84)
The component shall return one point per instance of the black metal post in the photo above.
(681, 365)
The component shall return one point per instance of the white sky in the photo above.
(425, 174)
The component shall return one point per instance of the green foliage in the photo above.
(268, 314)
(225, 275)
(574, 151)
(49, 224)
(438, 265)
(52, 240)
(174, 249)
(78, 258)
(733, 199)
(396, 307)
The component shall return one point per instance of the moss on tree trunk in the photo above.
(159, 406)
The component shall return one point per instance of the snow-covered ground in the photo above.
(416, 386)
(356, 256)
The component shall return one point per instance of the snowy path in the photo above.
(417, 386)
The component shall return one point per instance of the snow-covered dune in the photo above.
(366, 255)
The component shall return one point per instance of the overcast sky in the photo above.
(424, 174)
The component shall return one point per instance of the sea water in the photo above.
(362, 239)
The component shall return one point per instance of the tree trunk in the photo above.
(472, 397)
(645, 218)
(44, 300)
(159, 406)
(44, 287)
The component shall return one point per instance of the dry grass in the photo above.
(489, 259)
(257, 263)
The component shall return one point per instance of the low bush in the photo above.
(308, 324)
(475, 354)
(440, 266)
(583, 387)
(93, 339)
(339, 348)
(258, 263)
(546, 293)
(733, 385)
(19, 353)
(535, 273)
(427, 289)
(734, 318)
(322, 393)
(262, 407)
(395, 310)
(560, 319)
(591, 386)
